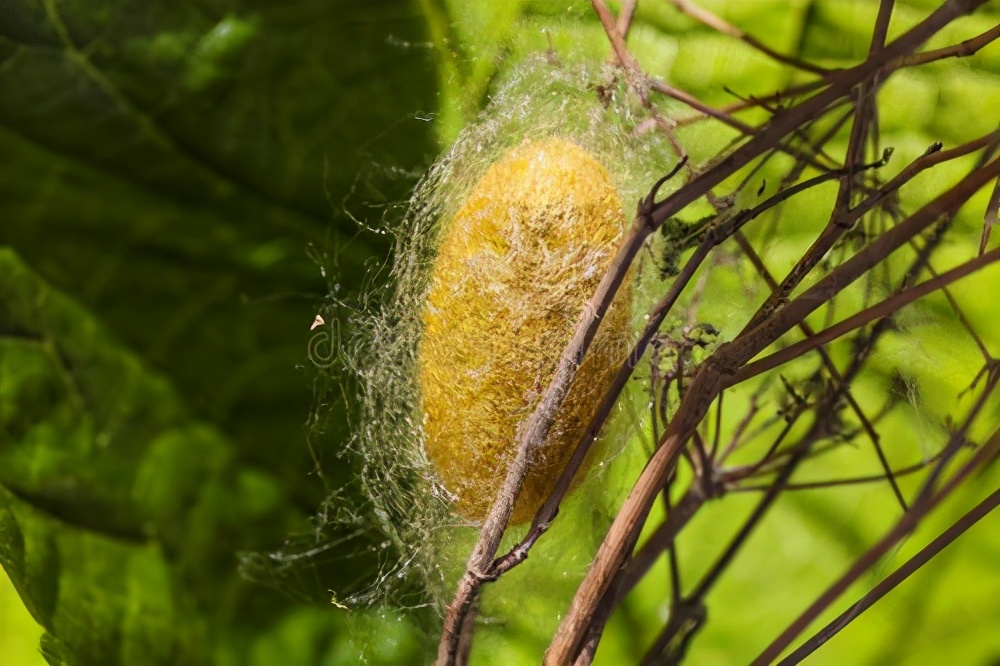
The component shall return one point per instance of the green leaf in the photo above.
(114, 500)
(183, 180)
(175, 166)
(103, 600)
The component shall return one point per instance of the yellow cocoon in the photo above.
(515, 267)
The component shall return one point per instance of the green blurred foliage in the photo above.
(177, 198)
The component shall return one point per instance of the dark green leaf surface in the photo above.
(121, 514)
(174, 191)
(169, 164)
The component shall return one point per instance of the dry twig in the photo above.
(616, 569)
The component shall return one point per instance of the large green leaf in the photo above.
(181, 178)
(172, 163)
(121, 513)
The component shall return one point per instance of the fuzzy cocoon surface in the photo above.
(514, 269)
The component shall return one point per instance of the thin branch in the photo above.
(841, 82)
(616, 38)
(662, 538)
(712, 21)
(838, 225)
(640, 83)
(712, 376)
(772, 493)
(926, 501)
(651, 216)
(867, 258)
(890, 305)
(634, 76)
(590, 643)
(713, 237)
(831, 368)
(960, 50)
(960, 315)
(696, 104)
(885, 8)
(682, 632)
(992, 217)
(733, 485)
(963, 49)
(893, 580)
(671, 645)
(754, 102)
(625, 16)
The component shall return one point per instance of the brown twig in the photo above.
(817, 431)
(831, 368)
(843, 381)
(890, 305)
(634, 76)
(719, 25)
(894, 579)
(881, 29)
(960, 50)
(731, 479)
(641, 84)
(754, 102)
(696, 104)
(928, 498)
(838, 225)
(841, 82)
(616, 38)
(651, 216)
(625, 16)
(713, 238)
(710, 379)
(992, 217)
(960, 313)
(963, 49)
(686, 619)
(661, 539)
(781, 483)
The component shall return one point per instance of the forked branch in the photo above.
(728, 364)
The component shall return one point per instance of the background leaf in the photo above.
(174, 182)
